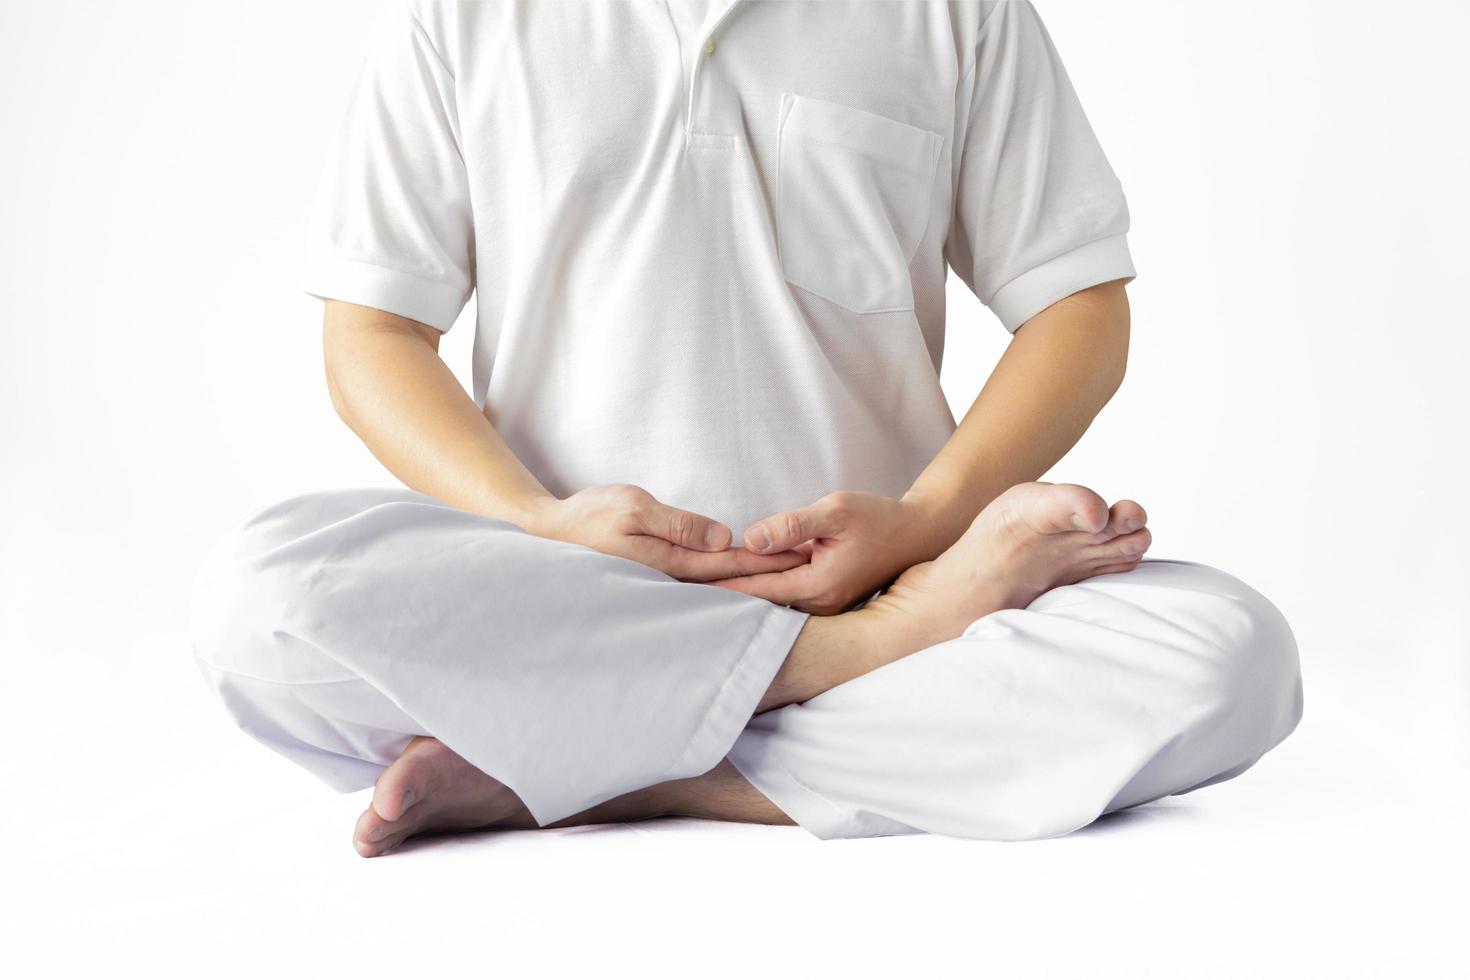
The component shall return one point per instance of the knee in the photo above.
(240, 595)
(1249, 671)
(261, 591)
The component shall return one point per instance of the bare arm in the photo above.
(1063, 366)
(390, 386)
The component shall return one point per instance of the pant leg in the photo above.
(1099, 696)
(336, 626)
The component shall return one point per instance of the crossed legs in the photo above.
(985, 694)
(1031, 539)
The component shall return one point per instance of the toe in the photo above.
(377, 848)
(1087, 511)
(374, 836)
(1125, 547)
(389, 801)
(400, 786)
(371, 827)
(1125, 517)
(1049, 508)
(369, 830)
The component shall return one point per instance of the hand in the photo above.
(628, 522)
(858, 542)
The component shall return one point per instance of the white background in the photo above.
(1295, 410)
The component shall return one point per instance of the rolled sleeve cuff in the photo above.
(1033, 291)
(436, 304)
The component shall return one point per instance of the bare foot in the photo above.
(1032, 538)
(430, 789)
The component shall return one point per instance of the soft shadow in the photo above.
(1125, 821)
(479, 839)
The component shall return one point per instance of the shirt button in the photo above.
(709, 45)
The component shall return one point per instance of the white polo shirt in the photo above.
(712, 263)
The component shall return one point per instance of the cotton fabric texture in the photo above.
(712, 264)
(708, 243)
(337, 626)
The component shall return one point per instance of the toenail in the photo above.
(1079, 522)
(1132, 524)
(376, 834)
(408, 798)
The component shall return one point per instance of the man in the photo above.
(709, 244)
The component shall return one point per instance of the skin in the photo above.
(388, 383)
(1032, 538)
(957, 546)
(1063, 366)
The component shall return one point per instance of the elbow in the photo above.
(339, 401)
(333, 371)
(1108, 360)
(1116, 369)
(1116, 372)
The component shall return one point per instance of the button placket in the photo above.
(697, 72)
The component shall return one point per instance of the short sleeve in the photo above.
(1039, 213)
(392, 227)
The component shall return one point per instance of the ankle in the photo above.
(903, 622)
(830, 650)
(641, 804)
(720, 794)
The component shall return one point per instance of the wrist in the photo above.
(541, 515)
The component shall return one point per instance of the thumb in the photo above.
(786, 530)
(683, 528)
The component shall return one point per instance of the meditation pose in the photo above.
(704, 538)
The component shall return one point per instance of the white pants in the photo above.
(337, 626)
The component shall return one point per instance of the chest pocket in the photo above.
(852, 202)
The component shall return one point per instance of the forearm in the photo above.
(1060, 370)
(390, 386)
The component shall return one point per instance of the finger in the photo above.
(788, 529)
(784, 588)
(703, 566)
(683, 528)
